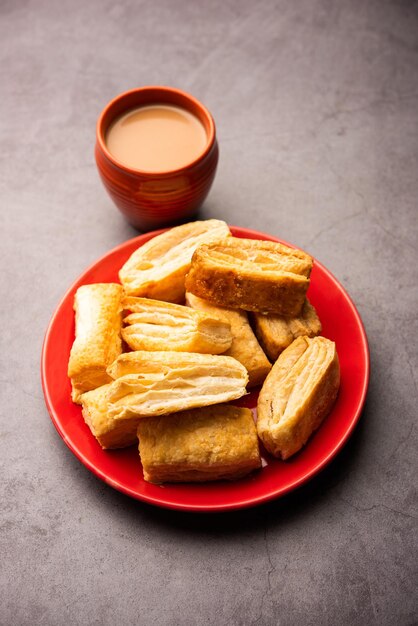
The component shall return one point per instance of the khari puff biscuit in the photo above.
(297, 395)
(156, 383)
(245, 347)
(157, 269)
(210, 443)
(275, 332)
(249, 274)
(108, 432)
(98, 320)
(157, 325)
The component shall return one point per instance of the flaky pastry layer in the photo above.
(249, 274)
(108, 432)
(98, 321)
(276, 332)
(297, 395)
(156, 325)
(245, 347)
(157, 383)
(210, 443)
(158, 268)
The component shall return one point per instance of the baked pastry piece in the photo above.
(98, 321)
(156, 383)
(249, 274)
(157, 325)
(157, 269)
(297, 395)
(210, 443)
(108, 432)
(276, 332)
(245, 347)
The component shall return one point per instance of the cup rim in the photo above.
(100, 134)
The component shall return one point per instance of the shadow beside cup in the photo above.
(151, 200)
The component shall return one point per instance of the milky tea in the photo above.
(156, 138)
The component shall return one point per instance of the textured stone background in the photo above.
(316, 106)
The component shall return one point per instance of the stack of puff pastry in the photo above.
(156, 357)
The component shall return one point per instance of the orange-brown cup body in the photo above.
(153, 199)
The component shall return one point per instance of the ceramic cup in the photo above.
(151, 200)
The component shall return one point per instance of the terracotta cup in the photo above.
(150, 200)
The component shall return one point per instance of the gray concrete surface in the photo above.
(316, 106)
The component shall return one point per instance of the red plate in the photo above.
(122, 469)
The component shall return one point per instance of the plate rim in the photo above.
(205, 508)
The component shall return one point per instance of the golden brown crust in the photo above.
(156, 325)
(249, 274)
(245, 347)
(157, 383)
(98, 320)
(275, 332)
(297, 395)
(109, 434)
(210, 443)
(158, 268)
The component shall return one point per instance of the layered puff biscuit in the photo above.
(157, 383)
(275, 332)
(297, 395)
(158, 268)
(156, 325)
(245, 347)
(108, 432)
(209, 443)
(249, 274)
(98, 321)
